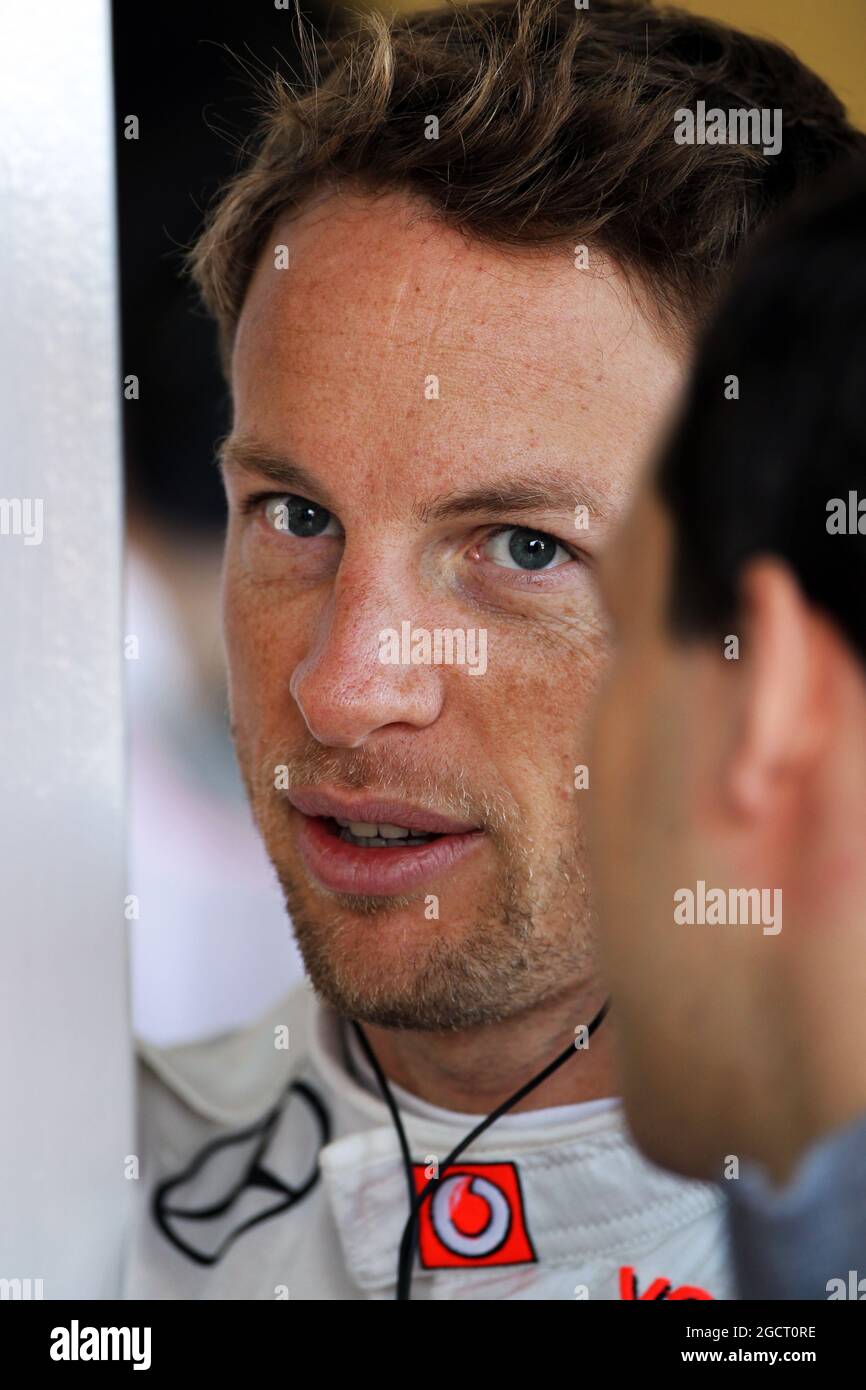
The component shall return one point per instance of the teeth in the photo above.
(358, 832)
(365, 829)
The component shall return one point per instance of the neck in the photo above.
(826, 1045)
(475, 1070)
(813, 996)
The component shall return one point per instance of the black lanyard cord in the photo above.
(417, 1199)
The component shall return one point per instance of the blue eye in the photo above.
(519, 548)
(300, 517)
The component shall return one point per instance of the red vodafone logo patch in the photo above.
(473, 1216)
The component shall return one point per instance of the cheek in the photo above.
(262, 647)
(242, 621)
(536, 705)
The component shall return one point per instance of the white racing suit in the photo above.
(269, 1170)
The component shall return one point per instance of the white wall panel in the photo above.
(65, 1069)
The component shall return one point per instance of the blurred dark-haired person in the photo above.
(730, 768)
(456, 291)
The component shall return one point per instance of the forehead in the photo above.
(390, 334)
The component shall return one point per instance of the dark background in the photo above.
(179, 67)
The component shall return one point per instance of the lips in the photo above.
(315, 801)
(341, 866)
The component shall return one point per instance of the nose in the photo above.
(344, 689)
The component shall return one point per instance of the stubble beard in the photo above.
(529, 941)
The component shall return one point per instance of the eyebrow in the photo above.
(281, 471)
(518, 493)
(521, 493)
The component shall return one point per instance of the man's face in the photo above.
(418, 422)
(665, 718)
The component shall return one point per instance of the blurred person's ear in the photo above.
(787, 665)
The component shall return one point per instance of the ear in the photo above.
(786, 671)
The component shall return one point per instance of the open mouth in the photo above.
(376, 854)
(385, 836)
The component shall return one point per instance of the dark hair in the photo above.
(754, 476)
(556, 126)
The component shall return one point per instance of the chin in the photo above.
(393, 997)
(374, 960)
